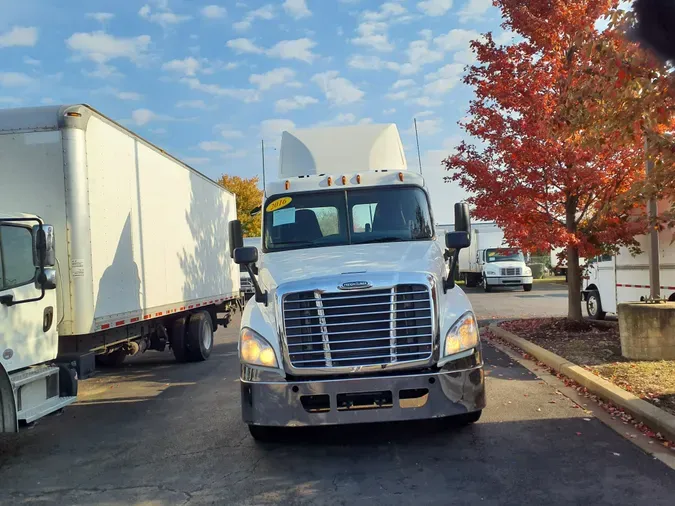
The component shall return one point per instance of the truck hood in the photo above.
(414, 256)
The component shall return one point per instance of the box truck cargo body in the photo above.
(141, 246)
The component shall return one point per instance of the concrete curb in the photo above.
(655, 418)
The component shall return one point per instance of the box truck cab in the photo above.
(490, 263)
(354, 319)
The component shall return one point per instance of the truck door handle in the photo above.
(47, 318)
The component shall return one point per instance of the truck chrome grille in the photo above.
(511, 271)
(360, 328)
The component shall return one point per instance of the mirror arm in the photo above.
(259, 295)
(449, 283)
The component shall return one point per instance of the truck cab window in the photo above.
(16, 256)
(504, 255)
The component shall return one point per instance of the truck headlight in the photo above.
(255, 350)
(527, 271)
(491, 273)
(463, 335)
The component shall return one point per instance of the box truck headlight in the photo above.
(491, 272)
(527, 271)
(255, 350)
(463, 335)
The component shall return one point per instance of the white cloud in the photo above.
(402, 83)
(214, 12)
(101, 17)
(101, 47)
(122, 95)
(300, 49)
(387, 10)
(457, 38)
(423, 114)
(446, 71)
(338, 90)
(266, 12)
(244, 95)
(297, 9)
(296, 102)
(373, 35)
(188, 66)
(11, 101)
(389, 111)
(270, 129)
(419, 53)
(427, 126)
(435, 7)
(214, 146)
(474, 10)
(227, 132)
(191, 104)
(426, 34)
(241, 46)
(15, 80)
(466, 57)
(31, 61)
(19, 36)
(444, 79)
(103, 71)
(398, 95)
(359, 61)
(426, 102)
(163, 16)
(272, 78)
(144, 116)
(505, 37)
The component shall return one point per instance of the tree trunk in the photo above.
(573, 270)
(573, 284)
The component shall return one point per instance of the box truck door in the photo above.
(28, 333)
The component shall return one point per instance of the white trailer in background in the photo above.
(611, 280)
(140, 254)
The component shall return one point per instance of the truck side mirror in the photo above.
(457, 240)
(462, 217)
(44, 252)
(236, 236)
(246, 255)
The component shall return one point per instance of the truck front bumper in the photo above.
(509, 280)
(411, 396)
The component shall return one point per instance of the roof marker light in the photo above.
(344, 179)
(288, 185)
(358, 178)
(74, 114)
(330, 180)
(400, 176)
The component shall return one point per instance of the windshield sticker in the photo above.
(283, 217)
(278, 204)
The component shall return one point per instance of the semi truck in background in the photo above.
(108, 247)
(353, 319)
(613, 279)
(490, 263)
(246, 284)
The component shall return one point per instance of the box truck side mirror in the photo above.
(44, 253)
(236, 236)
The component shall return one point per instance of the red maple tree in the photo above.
(535, 174)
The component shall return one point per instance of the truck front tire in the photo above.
(199, 336)
(486, 286)
(527, 288)
(594, 306)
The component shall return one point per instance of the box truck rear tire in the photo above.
(178, 339)
(200, 336)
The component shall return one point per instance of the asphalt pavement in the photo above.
(157, 432)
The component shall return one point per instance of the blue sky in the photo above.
(207, 80)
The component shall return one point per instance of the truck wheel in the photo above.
(199, 336)
(263, 434)
(527, 288)
(594, 306)
(113, 359)
(177, 339)
(486, 287)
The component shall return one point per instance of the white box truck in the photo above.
(354, 319)
(490, 263)
(613, 279)
(134, 256)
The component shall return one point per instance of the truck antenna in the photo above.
(417, 139)
(262, 151)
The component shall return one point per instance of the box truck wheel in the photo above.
(177, 339)
(594, 306)
(486, 287)
(527, 288)
(199, 336)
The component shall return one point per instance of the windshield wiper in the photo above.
(385, 239)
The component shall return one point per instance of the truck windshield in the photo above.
(355, 216)
(504, 255)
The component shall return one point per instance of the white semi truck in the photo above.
(354, 319)
(108, 247)
(613, 279)
(488, 262)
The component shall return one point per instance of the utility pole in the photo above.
(654, 267)
(417, 139)
(262, 151)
